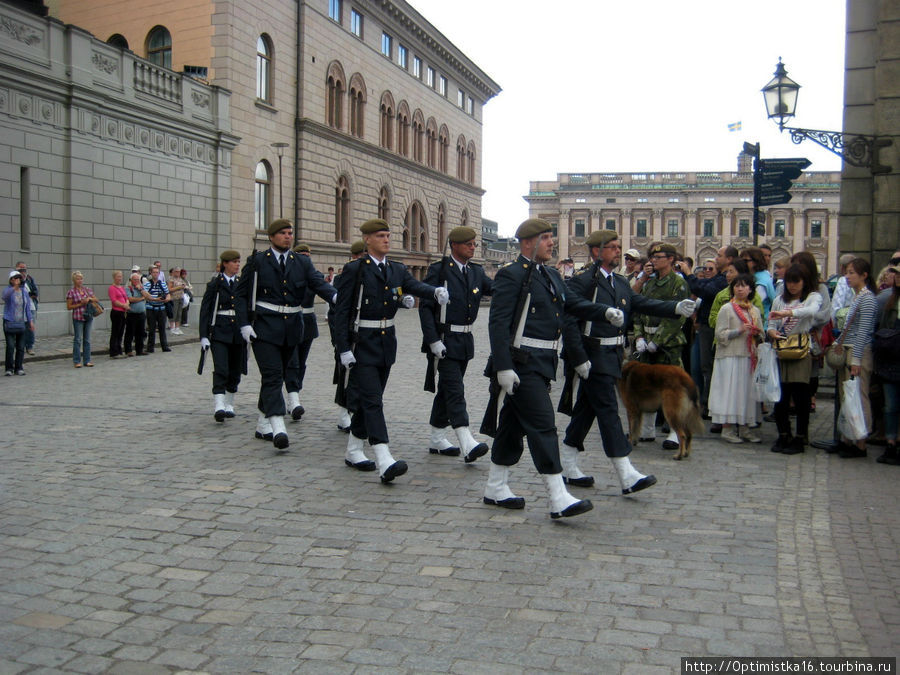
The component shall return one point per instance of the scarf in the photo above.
(747, 321)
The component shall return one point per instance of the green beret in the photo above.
(277, 226)
(301, 248)
(374, 225)
(229, 255)
(668, 249)
(461, 234)
(601, 237)
(357, 247)
(532, 228)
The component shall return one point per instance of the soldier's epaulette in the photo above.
(584, 270)
(513, 262)
(473, 264)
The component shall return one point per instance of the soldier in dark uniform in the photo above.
(296, 370)
(279, 278)
(368, 297)
(601, 344)
(219, 332)
(357, 248)
(451, 344)
(524, 355)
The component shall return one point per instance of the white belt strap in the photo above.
(609, 341)
(226, 312)
(539, 344)
(380, 323)
(650, 330)
(457, 328)
(309, 310)
(281, 309)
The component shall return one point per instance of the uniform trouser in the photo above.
(272, 361)
(296, 370)
(706, 337)
(529, 413)
(366, 399)
(597, 399)
(134, 331)
(449, 405)
(226, 366)
(157, 323)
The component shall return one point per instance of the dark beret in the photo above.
(229, 255)
(357, 247)
(461, 234)
(374, 225)
(532, 228)
(278, 225)
(601, 237)
(668, 249)
(301, 248)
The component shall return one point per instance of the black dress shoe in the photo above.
(479, 450)
(782, 442)
(670, 445)
(584, 481)
(509, 503)
(220, 415)
(167, 349)
(280, 441)
(642, 484)
(346, 429)
(398, 468)
(263, 437)
(365, 465)
(229, 414)
(452, 451)
(297, 412)
(577, 508)
(795, 447)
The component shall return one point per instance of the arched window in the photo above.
(384, 204)
(264, 69)
(442, 227)
(117, 40)
(387, 121)
(159, 47)
(464, 218)
(470, 160)
(415, 228)
(431, 142)
(342, 210)
(443, 147)
(403, 129)
(461, 157)
(262, 201)
(418, 127)
(334, 97)
(357, 104)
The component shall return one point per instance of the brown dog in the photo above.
(646, 388)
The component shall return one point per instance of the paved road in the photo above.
(137, 535)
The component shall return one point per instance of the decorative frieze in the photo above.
(20, 31)
(104, 63)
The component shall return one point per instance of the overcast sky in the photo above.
(640, 85)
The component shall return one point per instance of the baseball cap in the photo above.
(633, 254)
(15, 273)
(135, 268)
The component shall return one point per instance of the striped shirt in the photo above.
(158, 289)
(864, 314)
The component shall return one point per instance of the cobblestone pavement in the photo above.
(137, 535)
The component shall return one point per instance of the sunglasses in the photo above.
(709, 269)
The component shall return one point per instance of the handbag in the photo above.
(792, 347)
(886, 344)
(835, 354)
(13, 327)
(93, 308)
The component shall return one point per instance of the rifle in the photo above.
(431, 374)
(571, 379)
(340, 394)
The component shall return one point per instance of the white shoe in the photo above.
(219, 407)
(748, 435)
(279, 433)
(229, 404)
(355, 457)
(388, 468)
(562, 504)
(630, 478)
(497, 492)
(568, 457)
(469, 446)
(294, 408)
(439, 445)
(344, 419)
(730, 434)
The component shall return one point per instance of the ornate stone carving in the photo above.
(104, 63)
(95, 124)
(129, 133)
(200, 99)
(25, 106)
(173, 144)
(19, 31)
(111, 128)
(4, 99)
(144, 137)
(47, 111)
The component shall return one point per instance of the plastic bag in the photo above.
(185, 300)
(852, 420)
(766, 380)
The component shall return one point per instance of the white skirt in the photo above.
(731, 396)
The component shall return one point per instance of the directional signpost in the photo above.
(772, 182)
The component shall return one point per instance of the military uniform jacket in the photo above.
(607, 359)
(219, 295)
(666, 333)
(551, 311)
(278, 327)
(376, 346)
(310, 325)
(465, 299)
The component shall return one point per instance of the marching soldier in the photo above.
(601, 344)
(368, 298)
(357, 248)
(448, 338)
(296, 370)
(220, 334)
(267, 303)
(529, 310)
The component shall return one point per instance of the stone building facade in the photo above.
(105, 161)
(697, 212)
(386, 120)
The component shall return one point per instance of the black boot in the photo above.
(795, 447)
(889, 456)
(784, 440)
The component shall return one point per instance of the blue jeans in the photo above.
(891, 409)
(81, 343)
(29, 334)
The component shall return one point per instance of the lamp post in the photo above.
(279, 148)
(781, 94)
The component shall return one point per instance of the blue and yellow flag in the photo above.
(734, 126)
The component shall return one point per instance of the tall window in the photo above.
(403, 129)
(402, 57)
(159, 47)
(640, 229)
(342, 210)
(815, 229)
(461, 157)
(429, 78)
(387, 121)
(384, 204)
(709, 227)
(672, 228)
(744, 227)
(117, 40)
(387, 45)
(610, 223)
(263, 69)
(431, 142)
(579, 227)
(443, 148)
(442, 227)
(356, 23)
(334, 98)
(470, 160)
(357, 105)
(460, 98)
(470, 106)
(779, 228)
(417, 67)
(464, 218)
(262, 202)
(442, 86)
(334, 10)
(415, 227)
(418, 127)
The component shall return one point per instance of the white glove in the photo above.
(438, 349)
(508, 380)
(247, 333)
(640, 345)
(408, 301)
(651, 347)
(347, 359)
(334, 299)
(204, 343)
(615, 316)
(583, 370)
(685, 308)
(441, 295)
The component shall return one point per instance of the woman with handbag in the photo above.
(792, 316)
(77, 299)
(817, 337)
(17, 315)
(118, 301)
(886, 358)
(856, 339)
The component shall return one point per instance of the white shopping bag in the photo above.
(766, 379)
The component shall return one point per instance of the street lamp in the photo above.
(780, 95)
(279, 148)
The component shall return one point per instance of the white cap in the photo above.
(15, 273)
